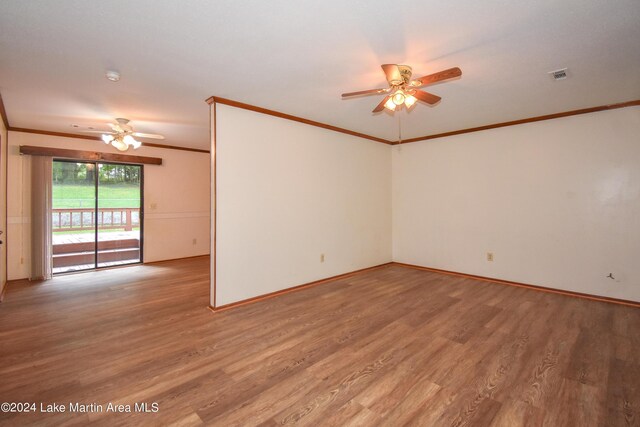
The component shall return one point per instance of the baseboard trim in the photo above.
(292, 289)
(524, 285)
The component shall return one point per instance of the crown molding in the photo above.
(51, 133)
(218, 100)
(236, 104)
(3, 114)
(97, 138)
(523, 121)
(174, 147)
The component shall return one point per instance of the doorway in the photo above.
(96, 215)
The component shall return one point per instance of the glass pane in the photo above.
(118, 214)
(73, 230)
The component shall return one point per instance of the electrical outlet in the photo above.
(489, 256)
(154, 206)
(21, 260)
(194, 241)
(321, 257)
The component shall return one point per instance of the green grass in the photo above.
(83, 196)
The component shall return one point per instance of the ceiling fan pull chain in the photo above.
(399, 130)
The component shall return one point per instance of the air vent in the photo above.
(559, 74)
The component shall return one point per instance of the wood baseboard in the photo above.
(635, 304)
(293, 289)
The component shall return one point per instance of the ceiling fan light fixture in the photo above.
(398, 97)
(120, 144)
(132, 142)
(122, 135)
(390, 105)
(409, 101)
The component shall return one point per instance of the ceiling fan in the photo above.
(122, 135)
(403, 90)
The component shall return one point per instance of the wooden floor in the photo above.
(391, 346)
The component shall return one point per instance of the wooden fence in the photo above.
(78, 219)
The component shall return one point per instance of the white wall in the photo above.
(289, 192)
(557, 202)
(176, 200)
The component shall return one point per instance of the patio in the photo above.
(74, 252)
(65, 238)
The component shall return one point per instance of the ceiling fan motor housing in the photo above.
(405, 72)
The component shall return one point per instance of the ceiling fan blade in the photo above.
(394, 77)
(437, 77)
(426, 97)
(380, 106)
(99, 131)
(148, 135)
(365, 92)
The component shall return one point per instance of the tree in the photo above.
(90, 173)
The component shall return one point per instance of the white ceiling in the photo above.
(297, 57)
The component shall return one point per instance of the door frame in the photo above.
(4, 167)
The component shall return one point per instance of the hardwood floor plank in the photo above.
(582, 406)
(518, 413)
(340, 386)
(470, 407)
(590, 358)
(415, 400)
(432, 413)
(623, 406)
(389, 391)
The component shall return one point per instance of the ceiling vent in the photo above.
(559, 74)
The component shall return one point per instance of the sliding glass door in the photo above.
(96, 216)
(74, 204)
(119, 225)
